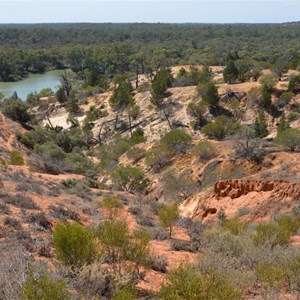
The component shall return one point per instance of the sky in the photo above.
(150, 11)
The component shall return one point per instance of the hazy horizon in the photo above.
(150, 11)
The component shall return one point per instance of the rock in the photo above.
(237, 187)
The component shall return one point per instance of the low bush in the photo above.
(12, 222)
(63, 213)
(221, 127)
(176, 141)
(158, 263)
(74, 244)
(181, 245)
(158, 157)
(20, 201)
(44, 288)
(204, 150)
(136, 154)
(16, 158)
(187, 282)
(128, 178)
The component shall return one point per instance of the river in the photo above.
(32, 83)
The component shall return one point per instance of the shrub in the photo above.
(43, 288)
(289, 138)
(138, 136)
(273, 275)
(235, 226)
(158, 157)
(112, 204)
(268, 81)
(158, 263)
(176, 141)
(167, 216)
(129, 178)
(80, 164)
(221, 127)
(187, 282)
(181, 245)
(20, 201)
(211, 96)
(113, 236)
(15, 109)
(287, 97)
(16, 158)
(41, 220)
(178, 186)
(74, 244)
(204, 150)
(64, 213)
(243, 211)
(276, 233)
(126, 293)
(158, 234)
(12, 222)
(292, 116)
(136, 154)
(265, 99)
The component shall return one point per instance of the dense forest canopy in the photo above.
(108, 49)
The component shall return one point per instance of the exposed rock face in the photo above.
(236, 188)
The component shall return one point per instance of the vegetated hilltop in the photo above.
(118, 190)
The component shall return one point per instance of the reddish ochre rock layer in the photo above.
(236, 188)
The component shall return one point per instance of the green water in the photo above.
(33, 83)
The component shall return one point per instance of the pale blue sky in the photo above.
(198, 11)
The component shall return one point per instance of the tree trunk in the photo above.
(167, 118)
(130, 128)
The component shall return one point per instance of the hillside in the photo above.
(154, 190)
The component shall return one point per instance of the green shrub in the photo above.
(74, 244)
(128, 178)
(187, 282)
(289, 138)
(272, 275)
(235, 226)
(221, 127)
(287, 96)
(43, 288)
(138, 136)
(158, 157)
(204, 150)
(167, 216)
(276, 233)
(176, 141)
(112, 204)
(126, 293)
(265, 99)
(80, 164)
(292, 116)
(16, 158)
(15, 109)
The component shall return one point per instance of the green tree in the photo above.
(15, 109)
(283, 124)
(74, 244)
(167, 216)
(294, 84)
(161, 81)
(221, 127)
(230, 73)
(265, 99)
(211, 97)
(129, 179)
(260, 125)
(289, 138)
(176, 141)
